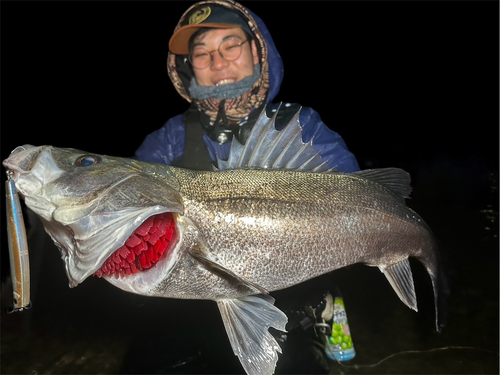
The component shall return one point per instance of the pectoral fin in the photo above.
(202, 256)
(201, 253)
(247, 320)
(401, 279)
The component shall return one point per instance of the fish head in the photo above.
(91, 204)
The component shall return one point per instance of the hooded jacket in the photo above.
(167, 144)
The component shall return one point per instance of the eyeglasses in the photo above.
(229, 50)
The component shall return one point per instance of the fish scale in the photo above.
(247, 215)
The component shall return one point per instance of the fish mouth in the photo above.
(150, 243)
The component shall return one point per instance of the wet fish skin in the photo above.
(241, 233)
(280, 228)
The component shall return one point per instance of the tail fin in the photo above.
(438, 271)
(443, 290)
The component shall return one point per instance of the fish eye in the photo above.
(86, 161)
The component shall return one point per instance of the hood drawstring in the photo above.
(221, 118)
(222, 128)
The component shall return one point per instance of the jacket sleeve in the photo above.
(331, 145)
(165, 144)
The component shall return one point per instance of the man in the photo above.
(223, 61)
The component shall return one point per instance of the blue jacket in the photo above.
(167, 143)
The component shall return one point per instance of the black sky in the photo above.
(393, 78)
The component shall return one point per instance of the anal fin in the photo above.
(247, 321)
(401, 279)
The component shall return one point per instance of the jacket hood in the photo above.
(180, 72)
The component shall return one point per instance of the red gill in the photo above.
(143, 248)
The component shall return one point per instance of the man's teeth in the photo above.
(224, 82)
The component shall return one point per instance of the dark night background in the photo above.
(409, 84)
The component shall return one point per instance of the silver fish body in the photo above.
(240, 233)
(280, 228)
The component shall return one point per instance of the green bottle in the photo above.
(339, 346)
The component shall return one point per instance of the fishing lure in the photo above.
(18, 249)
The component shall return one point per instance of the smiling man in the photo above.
(225, 52)
(223, 61)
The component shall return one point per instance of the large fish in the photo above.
(271, 217)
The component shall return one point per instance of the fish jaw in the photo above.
(25, 166)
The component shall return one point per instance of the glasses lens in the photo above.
(230, 49)
(199, 58)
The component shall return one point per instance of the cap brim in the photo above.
(178, 43)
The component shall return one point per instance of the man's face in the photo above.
(220, 71)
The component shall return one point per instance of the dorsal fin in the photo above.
(395, 179)
(269, 148)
